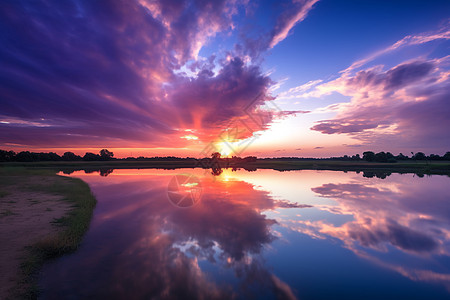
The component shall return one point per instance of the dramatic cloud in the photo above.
(79, 73)
(227, 94)
(191, 23)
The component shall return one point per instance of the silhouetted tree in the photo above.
(356, 157)
(24, 156)
(369, 156)
(91, 156)
(446, 156)
(70, 156)
(7, 155)
(106, 154)
(215, 155)
(401, 157)
(390, 157)
(434, 157)
(381, 157)
(250, 159)
(419, 156)
(51, 156)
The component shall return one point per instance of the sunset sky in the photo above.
(311, 78)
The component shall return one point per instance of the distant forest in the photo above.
(106, 155)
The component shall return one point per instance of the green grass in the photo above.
(73, 225)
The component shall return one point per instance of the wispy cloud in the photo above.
(289, 19)
(409, 40)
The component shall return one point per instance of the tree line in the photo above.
(389, 157)
(27, 156)
(106, 155)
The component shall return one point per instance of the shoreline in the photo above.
(43, 216)
(417, 167)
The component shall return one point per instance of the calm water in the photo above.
(263, 234)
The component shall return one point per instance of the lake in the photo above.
(186, 234)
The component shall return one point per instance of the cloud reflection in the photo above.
(151, 249)
(406, 214)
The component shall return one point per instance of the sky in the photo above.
(307, 78)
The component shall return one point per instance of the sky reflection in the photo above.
(252, 233)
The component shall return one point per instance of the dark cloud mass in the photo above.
(407, 105)
(75, 71)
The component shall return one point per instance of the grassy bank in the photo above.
(69, 227)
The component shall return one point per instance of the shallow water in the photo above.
(265, 234)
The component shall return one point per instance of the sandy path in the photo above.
(25, 218)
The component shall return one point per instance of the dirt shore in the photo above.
(31, 210)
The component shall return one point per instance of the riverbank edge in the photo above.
(418, 167)
(73, 225)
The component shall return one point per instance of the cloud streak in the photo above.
(289, 19)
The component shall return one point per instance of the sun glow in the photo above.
(228, 148)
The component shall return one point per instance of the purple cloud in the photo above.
(78, 73)
(405, 105)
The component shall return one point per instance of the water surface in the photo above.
(265, 234)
